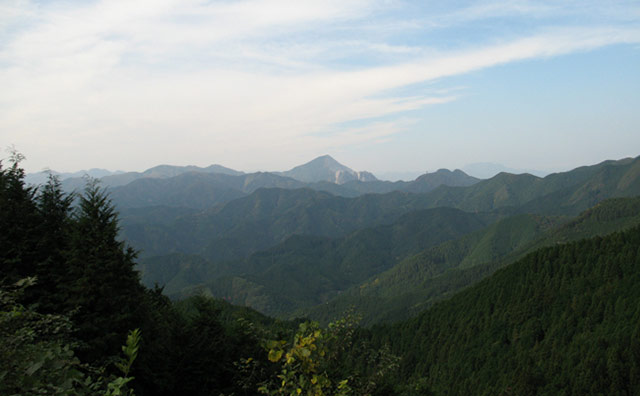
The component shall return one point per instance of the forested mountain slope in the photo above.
(566, 193)
(306, 270)
(416, 282)
(562, 320)
(268, 216)
(440, 271)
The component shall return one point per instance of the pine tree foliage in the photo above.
(563, 320)
(54, 209)
(18, 223)
(106, 289)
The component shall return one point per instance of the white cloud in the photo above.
(129, 76)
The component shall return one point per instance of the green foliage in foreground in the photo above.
(64, 333)
(562, 320)
(321, 362)
(37, 353)
(118, 386)
(303, 365)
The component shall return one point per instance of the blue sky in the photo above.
(381, 85)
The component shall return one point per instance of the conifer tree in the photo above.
(18, 223)
(106, 287)
(53, 280)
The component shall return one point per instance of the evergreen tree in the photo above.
(106, 288)
(54, 283)
(19, 220)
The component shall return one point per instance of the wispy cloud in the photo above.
(238, 76)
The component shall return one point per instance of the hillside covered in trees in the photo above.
(503, 301)
(562, 320)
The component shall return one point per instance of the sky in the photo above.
(381, 85)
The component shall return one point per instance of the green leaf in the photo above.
(275, 355)
(35, 367)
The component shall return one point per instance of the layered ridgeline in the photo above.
(305, 270)
(201, 188)
(212, 250)
(271, 217)
(265, 218)
(562, 320)
(384, 273)
(438, 272)
(575, 190)
(157, 172)
(41, 178)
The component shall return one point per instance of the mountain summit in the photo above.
(325, 168)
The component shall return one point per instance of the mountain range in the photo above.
(321, 237)
(202, 188)
(290, 252)
(38, 178)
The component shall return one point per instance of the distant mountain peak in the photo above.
(430, 181)
(327, 158)
(326, 168)
(326, 161)
(487, 170)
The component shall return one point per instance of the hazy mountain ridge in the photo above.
(268, 217)
(201, 191)
(263, 224)
(201, 188)
(265, 218)
(195, 190)
(487, 170)
(39, 178)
